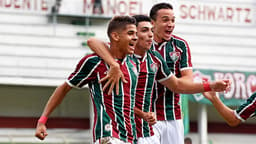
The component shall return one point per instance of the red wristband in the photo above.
(207, 86)
(43, 119)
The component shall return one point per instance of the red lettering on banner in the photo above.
(133, 5)
(247, 14)
(122, 8)
(111, 8)
(88, 6)
(238, 15)
(16, 4)
(201, 12)
(191, 13)
(211, 13)
(24, 5)
(231, 14)
(221, 15)
(44, 5)
(183, 8)
(114, 7)
(8, 4)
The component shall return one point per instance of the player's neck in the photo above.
(115, 52)
(158, 39)
(140, 51)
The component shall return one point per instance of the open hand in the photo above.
(113, 77)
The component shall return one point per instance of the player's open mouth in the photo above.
(168, 32)
(131, 44)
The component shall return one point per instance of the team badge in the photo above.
(174, 56)
(134, 69)
(154, 67)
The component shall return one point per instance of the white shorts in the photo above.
(148, 140)
(110, 140)
(169, 132)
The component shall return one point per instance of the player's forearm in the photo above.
(138, 112)
(189, 87)
(56, 98)
(225, 112)
(100, 48)
(182, 85)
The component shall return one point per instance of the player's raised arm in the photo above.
(114, 73)
(189, 87)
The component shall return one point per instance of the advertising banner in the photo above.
(26, 6)
(106, 8)
(242, 87)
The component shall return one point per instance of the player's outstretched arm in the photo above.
(223, 110)
(56, 98)
(189, 87)
(114, 73)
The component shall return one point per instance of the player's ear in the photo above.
(153, 23)
(115, 36)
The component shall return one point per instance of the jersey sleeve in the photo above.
(163, 72)
(185, 62)
(85, 71)
(248, 109)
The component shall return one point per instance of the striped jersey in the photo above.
(151, 67)
(113, 114)
(248, 109)
(176, 53)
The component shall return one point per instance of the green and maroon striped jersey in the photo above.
(248, 109)
(113, 114)
(151, 67)
(176, 53)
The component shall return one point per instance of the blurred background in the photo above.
(42, 40)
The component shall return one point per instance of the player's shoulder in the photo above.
(91, 58)
(154, 54)
(179, 42)
(178, 38)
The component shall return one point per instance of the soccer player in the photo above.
(113, 114)
(233, 117)
(176, 53)
(151, 67)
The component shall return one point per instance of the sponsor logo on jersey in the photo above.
(108, 127)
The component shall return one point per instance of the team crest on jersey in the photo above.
(134, 69)
(174, 56)
(154, 67)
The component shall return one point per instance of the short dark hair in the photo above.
(188, 140)
(119, 23)
(141, 18)
(157, 7)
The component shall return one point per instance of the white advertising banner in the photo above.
(220, 12)
(26, 6)
(106, 8)
(214, 12)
